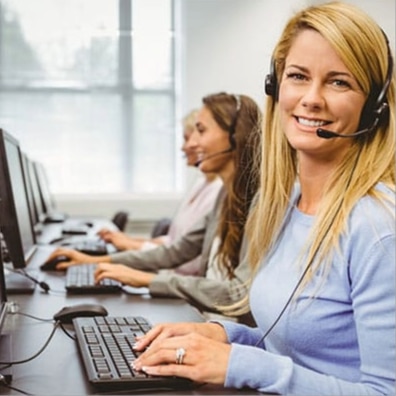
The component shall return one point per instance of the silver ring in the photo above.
(180, 352)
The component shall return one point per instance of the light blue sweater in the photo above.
(343, 341)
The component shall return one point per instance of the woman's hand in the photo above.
(120, 240)
(123, 274)
(75, 257)
(167, 330)
(193, 356)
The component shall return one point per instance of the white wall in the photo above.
(229, 42)
(227, 46)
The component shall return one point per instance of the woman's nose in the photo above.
(313, 97)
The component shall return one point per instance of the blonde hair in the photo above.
(189, 120)
(362, 46)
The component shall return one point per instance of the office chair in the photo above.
(120, 219)
(161, 227)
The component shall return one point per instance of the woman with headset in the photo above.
(197, 203)
(228, 140)
(322, 232)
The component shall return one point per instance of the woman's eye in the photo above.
(295, 76)
(341, 83)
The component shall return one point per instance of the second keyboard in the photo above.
(80, 279)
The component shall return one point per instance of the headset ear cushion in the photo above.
(374, 115)
(270, 87)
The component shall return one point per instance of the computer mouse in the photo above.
(67, 314)
(50, 265)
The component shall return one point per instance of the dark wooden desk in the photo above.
(58, 370)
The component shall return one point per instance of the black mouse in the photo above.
(50, 265)
(67, 314)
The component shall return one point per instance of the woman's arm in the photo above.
(165, 257)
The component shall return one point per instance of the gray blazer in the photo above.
(201, 292)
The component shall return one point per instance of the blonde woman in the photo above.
(195, 205)
(322, 233)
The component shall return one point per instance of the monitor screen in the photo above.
(3, 293)
(38, 205)
(45, 194)
(29, 190)
(16, 223)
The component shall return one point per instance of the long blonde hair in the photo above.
(362, 46)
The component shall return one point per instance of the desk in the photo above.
(58, 370)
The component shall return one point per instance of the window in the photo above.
(88, 88)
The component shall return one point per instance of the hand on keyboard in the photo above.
(80, 279)
(199, 357)
(121, 240)
(123, 274)
(74, 258)
(106, 346)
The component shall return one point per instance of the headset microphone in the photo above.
(325, 134)
(199, 162)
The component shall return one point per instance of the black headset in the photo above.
(375, 111)
(271, 82)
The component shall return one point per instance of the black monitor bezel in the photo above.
(36, 191)
(29, 190)
(3, 292)
(8, 210)
(43, 185)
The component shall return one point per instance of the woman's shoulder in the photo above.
(376, 211)
(381, 200)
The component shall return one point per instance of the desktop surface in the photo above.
(59, 369)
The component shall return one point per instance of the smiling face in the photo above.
(318, 91)
(189, 146)
(213, 144)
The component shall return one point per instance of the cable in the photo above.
(56, 325)
(31, 316)
(66, 332)
(13, 388)
(309, 265)
(286, 304)
(43, 285)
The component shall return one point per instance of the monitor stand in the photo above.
(17, 283)
(6, 356)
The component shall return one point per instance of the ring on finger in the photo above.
(180, 353)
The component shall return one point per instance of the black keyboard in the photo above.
(80, 280)
(105, 345)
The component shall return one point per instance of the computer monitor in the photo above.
(5, 339)
(3, 294)
(29, 191)
(50, 214)
(36, 190)
(14, 209)
(33, 192)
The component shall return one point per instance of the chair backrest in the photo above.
(161, 227)
(120, 219)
